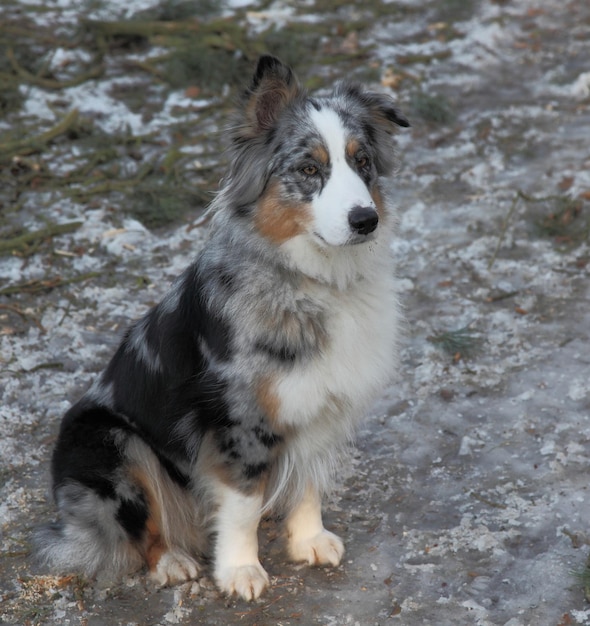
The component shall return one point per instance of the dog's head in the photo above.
(308, 166)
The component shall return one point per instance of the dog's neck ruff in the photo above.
(339, 267)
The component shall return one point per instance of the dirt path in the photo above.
(467, 501)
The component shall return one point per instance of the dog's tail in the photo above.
(85, 540)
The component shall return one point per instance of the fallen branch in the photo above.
(504, 228)
(35, 286)
(482, 499)
(50, 83)
(52, 365)
(23, 314)
(112, 185)
(22, 242)
(35, 144)
(137, 28)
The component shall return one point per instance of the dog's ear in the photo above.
(272, 88)
(383, 106)
(382, 109)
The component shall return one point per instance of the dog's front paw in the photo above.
(247, 581)
(175, 567)
(325, 548)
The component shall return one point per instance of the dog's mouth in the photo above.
(353, 240)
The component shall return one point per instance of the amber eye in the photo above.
(310, 170)
(362, 161)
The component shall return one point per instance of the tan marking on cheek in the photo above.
(379, 202)
(277, 219)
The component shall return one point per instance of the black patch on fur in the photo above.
(180, 478)
(228, 445)
(267, 438)
(283, 354)
(243, 210)
(315, 104)
(226, 279)
(254, 470)
(86, 451)
(156, 400)
(132, 515)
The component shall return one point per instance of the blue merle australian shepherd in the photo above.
(238, 394)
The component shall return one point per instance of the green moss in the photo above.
(455, 10)
(170, 10)
(157, 203)
(432, 108)
(208, 67)
(10, 96)
(563, 219)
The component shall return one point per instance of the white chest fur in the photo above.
(357, 362)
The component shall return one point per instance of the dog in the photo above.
(238, 393)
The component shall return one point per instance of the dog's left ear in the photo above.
(273, 87)
(380, 107)
(383, 110)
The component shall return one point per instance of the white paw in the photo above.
(325, 548)
(175, 567)
(247, 581)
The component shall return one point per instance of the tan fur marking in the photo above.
(210, 464)
(352, 147)
(268, 400)
(320, 154)
(154, 545)
(278, 220)
(378, 200)
(224, 475)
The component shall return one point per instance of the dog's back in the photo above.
(240, 390)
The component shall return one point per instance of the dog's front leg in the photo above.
(237, 568)
(308, 539)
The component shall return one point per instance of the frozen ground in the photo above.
(467, 501)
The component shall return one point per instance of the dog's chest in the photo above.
(357, 360)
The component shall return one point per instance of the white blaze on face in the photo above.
(343, 190)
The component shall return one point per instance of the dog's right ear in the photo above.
(272, 88)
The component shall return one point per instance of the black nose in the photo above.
(363, 219)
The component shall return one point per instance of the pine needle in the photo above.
(462, 343)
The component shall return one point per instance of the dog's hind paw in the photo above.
(175, 567)
(247, 581)
(325, 548)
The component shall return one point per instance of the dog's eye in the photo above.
(362, 161)
(310, 170)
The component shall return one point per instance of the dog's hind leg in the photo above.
(172, 533)
(308, 540)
